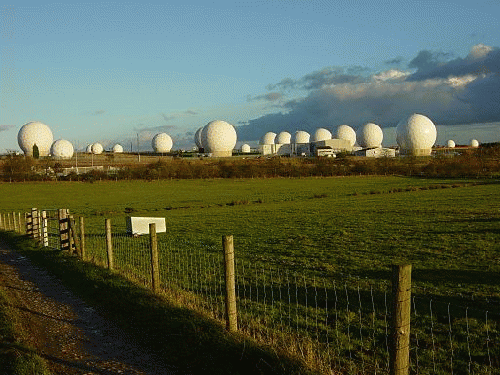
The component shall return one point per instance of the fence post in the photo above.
(82, 238)
(155, 269)
(109, 244)
(21, 226)
(74, 236)
(1, 221)
(231, 313)
(29, 224)
(44, 234)
(34, 224)
(63, 228)
(400, 330)
(14, 224)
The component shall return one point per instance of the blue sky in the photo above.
(105, 72)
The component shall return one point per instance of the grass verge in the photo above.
(176, 335)
(15, 358)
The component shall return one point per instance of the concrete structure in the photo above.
(35, 133)
(376, 152)
(416, 135)
(346, 132)
(219, 138)
(62, 149)
(335, 144)
(140, 225)
(161, 143)
(370, 136)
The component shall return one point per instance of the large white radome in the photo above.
(347, 133)
(268, 138)
(219, 138)
(162, 143)
(35, 133)
(416, 135)
(321, 134)
(62, 149)
(97, 148)
(197, 138)
(284, 138)
(301, 136)
(370, 136)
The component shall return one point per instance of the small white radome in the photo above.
(117, 149)
(162, 143)
(97, 148)
(301, 136)
(450, 143)
(245, 148)
(347, 133)
(268, 138)
(62, 149)
(284, 138)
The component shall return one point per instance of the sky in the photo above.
(118, 72)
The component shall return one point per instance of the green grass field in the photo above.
(326, 230)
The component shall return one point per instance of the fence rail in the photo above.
(340, 324)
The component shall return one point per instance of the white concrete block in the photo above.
(140, 225)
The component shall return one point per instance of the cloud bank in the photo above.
(447, 89)
(5, 127)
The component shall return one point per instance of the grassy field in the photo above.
(325, 229)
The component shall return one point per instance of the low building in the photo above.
(376, 152)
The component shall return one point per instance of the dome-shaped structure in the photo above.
(370, 136)
(162, 143)
(321, 134)
(117, 149)
(62, 149)
(197, 138)
(88, 150)
(97, 148)
(35, 133)
(301, 136)
(219, 138)
(450, 143)
(283, 138)
(245, 148)
(347, 133)
(416, 135)
(474, 143)
(268, 138)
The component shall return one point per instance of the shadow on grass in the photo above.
(179, 336)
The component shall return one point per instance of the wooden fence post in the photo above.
(231, 313)
(44, 234)
(21, 226)
(1, 221)
(82, 238)
(34, 224)
(14, 223)
(400, 330)
(29, 224)
(155, 269)
(109, 244)
(74, 236)
(63, 228)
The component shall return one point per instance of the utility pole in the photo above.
(138, 153)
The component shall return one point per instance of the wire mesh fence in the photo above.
(337, 323)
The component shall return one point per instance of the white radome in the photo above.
(117, 149)
(301, 136)
(162, 143)
(88, 150)
(35, 133)
(474, 143)
(268, 138)
(219, 138)
(97, 148)
(416, 135)
(197, 138)
(347, 133)
(284, 138)
(450, 143)
(370, 136)
(321, 134)
(245, 148)
(62, 149)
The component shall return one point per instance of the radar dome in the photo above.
(474, 143)
(219, 138)
(268, 138)
(88, 150)
(283, 138)
(450, 143)
(416, 135)
(370, 136)
(197, 138)
(347, 133)
(245, 148)
(301, 136)
(35, 133)
(117, 149)
(97, 148)
(62, 149)
(162, 143)
(321, 134)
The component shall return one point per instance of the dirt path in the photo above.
(70, 335)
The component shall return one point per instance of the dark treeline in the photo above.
(483, 162)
